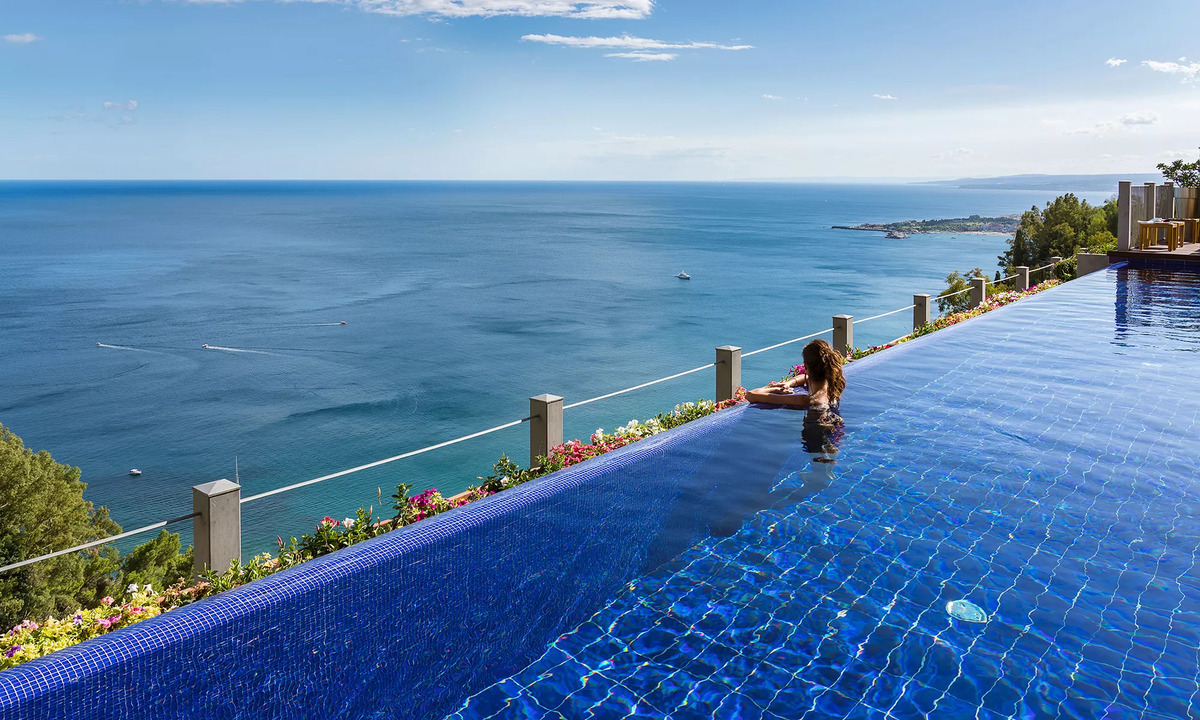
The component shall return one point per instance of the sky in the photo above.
(598, 90)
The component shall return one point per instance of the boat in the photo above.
(343, 322)
(204, 346)
(683, 276)
(135, 472)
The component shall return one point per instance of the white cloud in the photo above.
(884, 97)
(768, 96)
(628, 42)
(961, 153)
(23, 39)
(1128, 121)
(1115, 62)
(1190, 71)
(593, 9)
(1139, 118)
(643, 56)
(130, 105)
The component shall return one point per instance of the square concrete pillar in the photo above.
(1149, 204)
(978, 291)
(843, 333)
(217, 529)
(1124, 224)
(545, 425)
(921, 311)
(729, 371)
(1022, 277)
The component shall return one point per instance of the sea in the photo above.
(348, 322)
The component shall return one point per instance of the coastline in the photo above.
(925, 232)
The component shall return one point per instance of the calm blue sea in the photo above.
(460, 301)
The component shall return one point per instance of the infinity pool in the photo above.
(1009, 531)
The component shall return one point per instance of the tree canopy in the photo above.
(1066, 226)
(42, 510)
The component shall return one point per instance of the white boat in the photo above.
(683, 276)
(204, 346)
(135, 472)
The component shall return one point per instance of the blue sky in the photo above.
(606, 90)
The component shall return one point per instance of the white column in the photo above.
(545, 425)
(921, 314)
(843, 333)
(729, 371)
(978, 291)
(217, 529)
(1022, 277)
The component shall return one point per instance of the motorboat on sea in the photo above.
(135, 472)
(683, 276)
(204, 346)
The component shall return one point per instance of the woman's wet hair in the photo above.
(825, 366)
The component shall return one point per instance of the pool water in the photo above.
(1009, 530)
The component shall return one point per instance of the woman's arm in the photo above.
(771, 396)
(790, 383)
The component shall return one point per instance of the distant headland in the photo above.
(1003, 225)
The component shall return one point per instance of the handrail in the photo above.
(102, 541)
(385, 461)
(786, 342)
(881, 315)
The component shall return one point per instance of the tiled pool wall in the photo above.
(406, 625)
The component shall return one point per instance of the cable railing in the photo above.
(728, 378)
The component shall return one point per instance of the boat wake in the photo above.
(122, 347)
(236, 350)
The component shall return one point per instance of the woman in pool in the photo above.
(822, 378)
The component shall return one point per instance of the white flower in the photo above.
(133, 587)
(348, 522)
(147, 588)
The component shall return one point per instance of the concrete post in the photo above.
(921, 314)
(1022, 277)
(545, 425)
(843, 333)
(1090, 263)
(978, 291)
(1150, 203)
(729, 371)
(1124, 224)
(217, 529)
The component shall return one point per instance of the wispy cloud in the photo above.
(129, 105)
(883, 97)
(591, 9)
(643, 56)
(769, 96)
(628, 42)
(1128, 121)
(22, 39)
(1115, 62)
(1189, 71)
(1144, 117)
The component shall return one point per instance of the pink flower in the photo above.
(106, 600)
(136, 610)
(104, 623)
